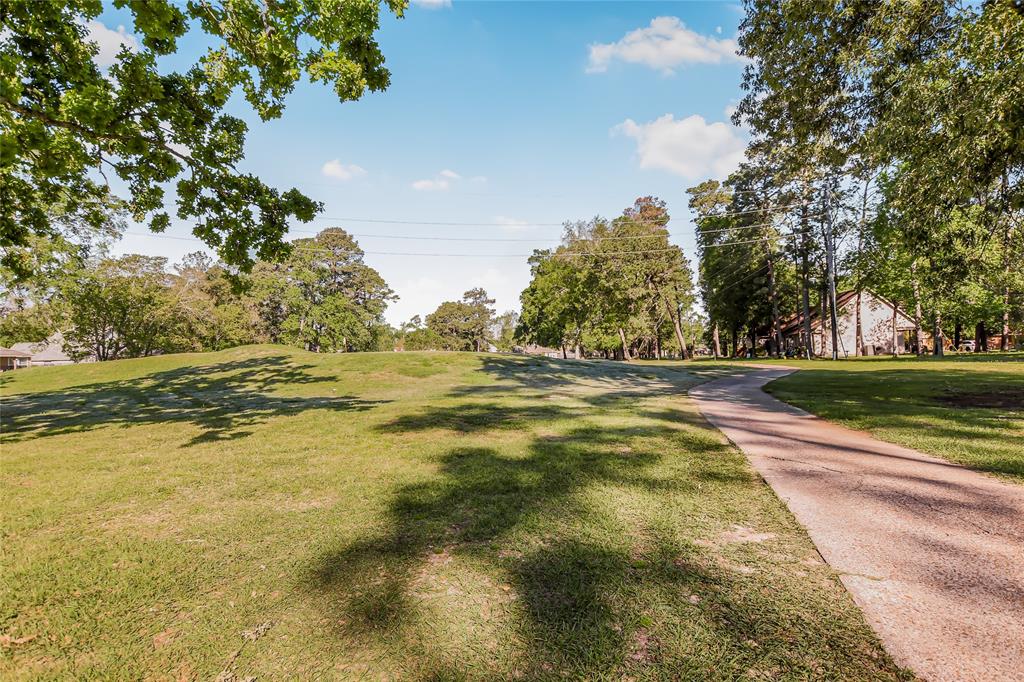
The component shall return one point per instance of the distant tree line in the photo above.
(468, 324)
(320, 297)
(615, 288)
(887, 153)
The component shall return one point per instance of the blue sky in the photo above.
(499, 114)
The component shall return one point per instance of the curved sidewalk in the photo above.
(932, 552)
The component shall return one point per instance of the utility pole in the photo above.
(830, 262)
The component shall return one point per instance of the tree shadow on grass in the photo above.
(916, 400)
(582, 602)
(607, 380)
(374, 586)
(476, 416)
(225, 400)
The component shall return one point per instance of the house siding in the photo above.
(876, 324)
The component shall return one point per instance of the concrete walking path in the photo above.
(932, 552)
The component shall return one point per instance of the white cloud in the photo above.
(341, 171)
(511, 223)
(690, 147)
(663, 45)
(439, 183)
(110, 42)
(432, 4)
(718, 30)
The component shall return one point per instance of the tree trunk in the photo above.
(917, 308)
(859, 337)
(937, 349)
(776, 328)
(735, 339)
(980, 338)
(859, 342)
(1004, 341)
(807, 332)
(895, 342)
(677, 327)
(958, 332)
(823, 320)
(716, 345)
(831, 266)
(805, 280)
(625, 347)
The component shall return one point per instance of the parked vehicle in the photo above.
(967, 345)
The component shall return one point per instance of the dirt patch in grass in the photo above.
(644, 648)
(740, 534)
(1006, 400)
(157, 523)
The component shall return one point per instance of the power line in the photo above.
(446, 223)
(604, 254)
(754, 241)
(731, 267)
(443, 239)
(306, 249)
(310, 249)
(554, 240)
(733, 229)
(741, 280)
(493, 239)
(442, 223)
(753, 210)
(396, 236)
(435, 255)
(747, 227)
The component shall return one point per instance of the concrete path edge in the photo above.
(931, 552)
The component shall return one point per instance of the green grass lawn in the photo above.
(273, 513)
(966, 408)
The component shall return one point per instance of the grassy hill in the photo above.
(265, 511)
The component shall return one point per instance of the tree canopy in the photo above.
(887, 135)
(68, 122)
(322, 298)
(464, 324)
(613, 286)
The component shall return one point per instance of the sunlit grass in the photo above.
(269, 512)
(967, 408)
